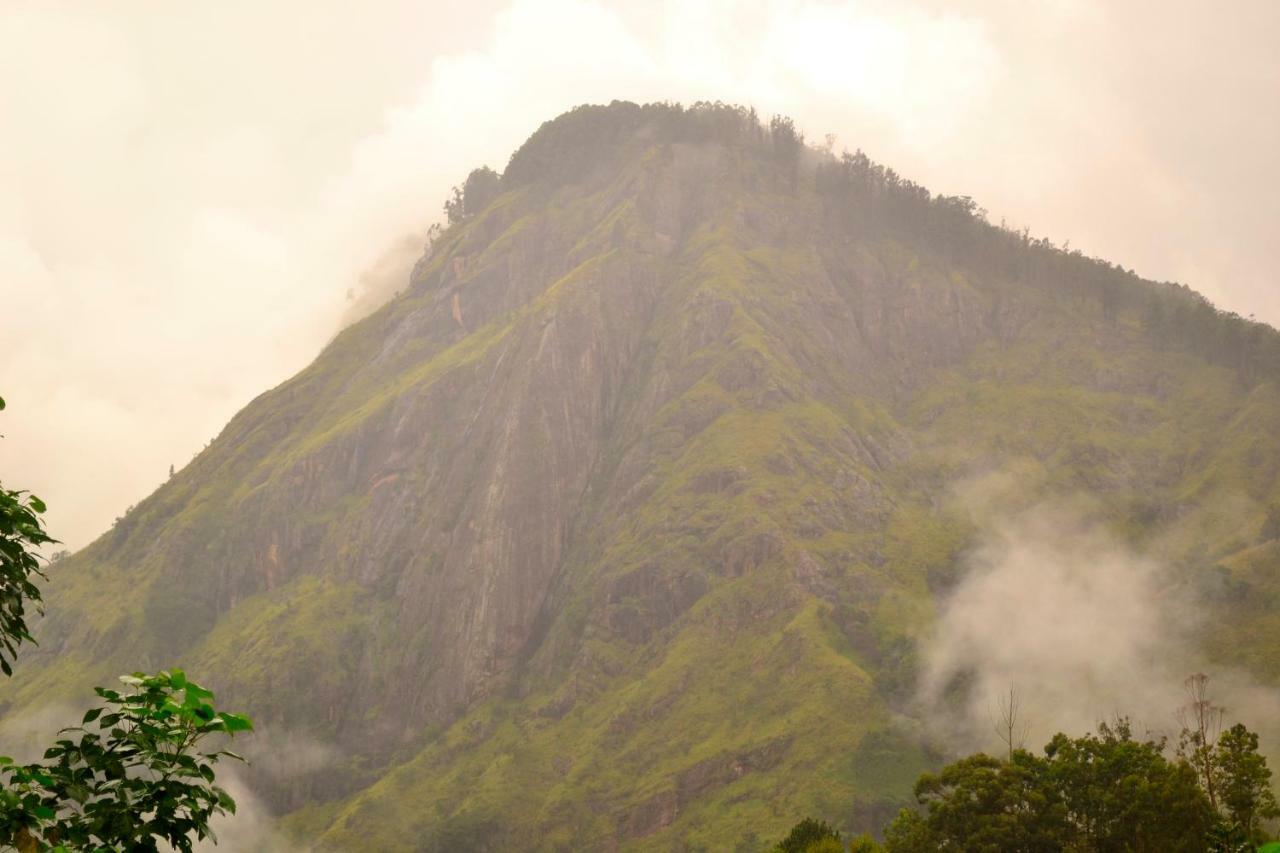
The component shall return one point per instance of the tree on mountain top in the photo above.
(481, 187)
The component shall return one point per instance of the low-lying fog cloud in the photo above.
(277, 759)
(1083, 629)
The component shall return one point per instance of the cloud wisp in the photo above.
(1081, 627)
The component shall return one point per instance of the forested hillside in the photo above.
(627, 524)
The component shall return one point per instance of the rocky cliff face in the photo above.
(618, 526)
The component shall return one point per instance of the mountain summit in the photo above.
(620, 527)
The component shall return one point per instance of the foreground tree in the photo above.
(1124, 794)
(1201, 720)
(1244, 782)
(1101, 792)
(21, 534)
(136, 779)
(143, 776)
(1234, 775)
(981, 803)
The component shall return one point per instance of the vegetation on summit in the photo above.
(861, 196)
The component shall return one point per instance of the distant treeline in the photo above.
(867, 198)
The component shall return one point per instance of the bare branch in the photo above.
(1010, 726)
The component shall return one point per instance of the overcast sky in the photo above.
(188, 190)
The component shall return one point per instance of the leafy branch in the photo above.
(137, 778)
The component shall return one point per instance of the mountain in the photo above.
(620, 527)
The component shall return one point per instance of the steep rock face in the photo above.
(635, 502)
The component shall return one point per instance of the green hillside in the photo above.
(618, 528)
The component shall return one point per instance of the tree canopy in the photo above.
(1104, 791)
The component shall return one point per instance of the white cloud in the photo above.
(1082, 628)
(191, 189)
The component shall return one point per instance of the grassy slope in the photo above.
(750, 668)
(1134, 427)
(771, 695)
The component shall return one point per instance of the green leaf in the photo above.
(236, 723)
(36, 504)
(91, 715)
(195, 691)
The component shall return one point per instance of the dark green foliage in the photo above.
(910, 830)
(481, 187)
(864, 844)
(138, 778)
(453, 206)
(1244, 781)
(1100, 792)
(21, 531)
(866, 198)
(592, 136)
(788, 143)
(1229, 838)
(1123, 794)
(985, 804)
(809, 835)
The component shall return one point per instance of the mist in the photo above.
(252, 827)
(1081, 628)
(280, 758)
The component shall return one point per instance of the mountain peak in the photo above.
(639, 497)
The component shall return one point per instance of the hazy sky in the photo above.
(188, 190)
